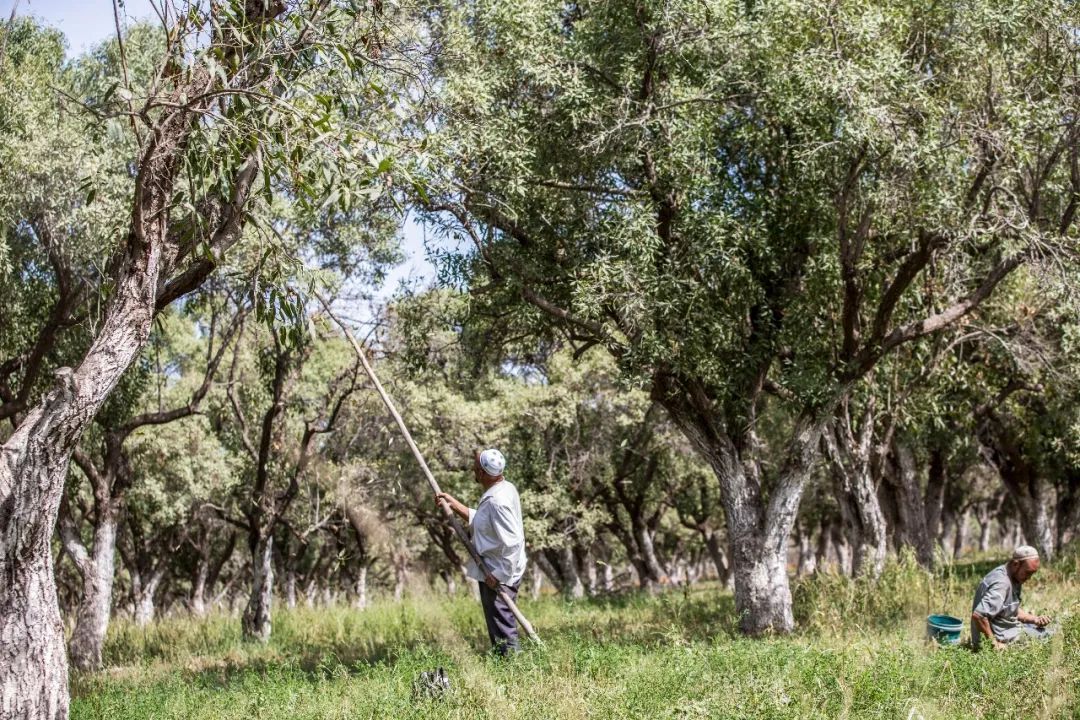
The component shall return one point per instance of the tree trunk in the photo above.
(450, 578)
(401, 573)
(845, 555)
(936, 481)
(573, 587)
(824, 545)
(986, 511)
(984, 536)
(145, 608)
(716, 554)
(910, 505)
(33, 660)
(256, 620)
(655, 573)
(1037, 531)
(1021, 476)
(561, 570)
(588, 569)
(287, 551)
(851, 459)
(95, 609)
(360, 602)
(807, 563)
(33, 667)
(290, 586)
(1067, 510)
(758, 529)
(198, 586)
(207, 572)
(537, 582)
(609, 578)
(761, 585)
(961, 534)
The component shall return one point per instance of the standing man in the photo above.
(499, 536)
(996, 612)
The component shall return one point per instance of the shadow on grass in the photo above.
(645, 620)
(974, 570)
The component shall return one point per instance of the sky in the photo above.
(86, 23)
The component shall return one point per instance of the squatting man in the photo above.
(996, 611)
(499, 537)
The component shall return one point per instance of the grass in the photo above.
(859, 653)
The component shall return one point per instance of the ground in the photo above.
(859, 652)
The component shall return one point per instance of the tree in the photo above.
(282, 397)
(234, 100)
(110, 475)
(697, 187)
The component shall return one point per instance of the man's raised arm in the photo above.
(460, 508)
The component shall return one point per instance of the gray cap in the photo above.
(1025, 552)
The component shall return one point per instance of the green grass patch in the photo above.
(859, 652)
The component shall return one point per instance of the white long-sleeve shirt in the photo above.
(499, 534)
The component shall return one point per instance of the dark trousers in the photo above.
(501, 623)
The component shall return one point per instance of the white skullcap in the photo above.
(493, 462)
(1025, 552)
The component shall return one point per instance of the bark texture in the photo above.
(256, 618)
(855, 485)
(34, 459)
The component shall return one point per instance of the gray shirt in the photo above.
(998, 600)
(499, 534)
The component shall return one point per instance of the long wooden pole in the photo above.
(455, 522)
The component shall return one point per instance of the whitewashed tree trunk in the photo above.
(401, 576)
(33, 659)
(256, 619)
(145, 609)
(589, 561)
(207, 574)
(758, 531)
(537, 582)
(961, 534)
(845, 555)
(360, 602)
(198, 587)
(450, 579)
(574, 587)
(823, 547)
(289, 561)
(290, 587)
(644, 537)
(807, 562)
(984, 536)
(716, 554)
(937, 480)
(851, 459)
(98, 569)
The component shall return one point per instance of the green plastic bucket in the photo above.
(944, 629)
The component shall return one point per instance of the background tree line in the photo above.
(742, 290)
